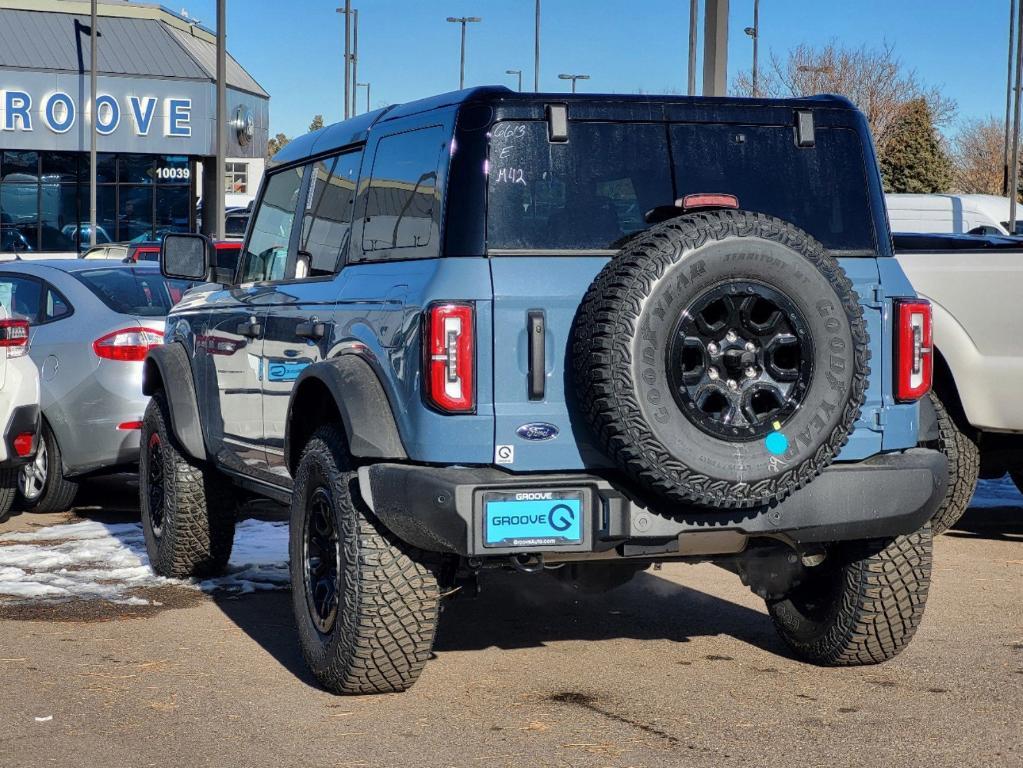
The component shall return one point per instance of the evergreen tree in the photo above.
(912, 157)
(316, 124)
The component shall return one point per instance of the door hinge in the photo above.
(875, 296)
(876, 419)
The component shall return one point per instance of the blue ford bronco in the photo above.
(582, 334)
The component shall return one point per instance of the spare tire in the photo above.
(721, 359)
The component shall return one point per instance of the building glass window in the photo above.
(236, 178)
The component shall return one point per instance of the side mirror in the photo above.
(186, 256)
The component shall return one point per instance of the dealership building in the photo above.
(155, 122)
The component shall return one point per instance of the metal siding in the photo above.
(206, 55)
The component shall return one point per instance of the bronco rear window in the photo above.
(592, 192)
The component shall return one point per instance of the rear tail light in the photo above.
(14, 337)
(23, 444)
(128, 345)
(450, 343)
(914, 351)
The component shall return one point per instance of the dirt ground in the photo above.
(680, 667)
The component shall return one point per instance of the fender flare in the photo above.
(358, 397)
(167, 368)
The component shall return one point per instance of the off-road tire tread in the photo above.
(391, 605)
(607, 322)
(881, 605)
(200, 507)
(963, 468)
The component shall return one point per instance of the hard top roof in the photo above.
(356, 129)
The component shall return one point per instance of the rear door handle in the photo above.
(251, 328)
(312, 328)
(536, 328)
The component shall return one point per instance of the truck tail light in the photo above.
(128, 345)
(450, 342)
(914, 350)
(14, 337)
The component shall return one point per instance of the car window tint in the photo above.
(401, 202)
(56, 306)
(266, 252)
(589, 193)
(133, 292)
(326, 227)
(21, 297)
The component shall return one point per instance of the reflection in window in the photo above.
(56, 306)
(266, 256)
(401, 202)
(20, 297)
(327, 225)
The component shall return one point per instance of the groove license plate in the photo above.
(532, 519)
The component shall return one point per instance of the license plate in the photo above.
(532, 519)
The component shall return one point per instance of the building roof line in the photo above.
(124, 10)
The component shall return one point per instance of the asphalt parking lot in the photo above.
(680, 667)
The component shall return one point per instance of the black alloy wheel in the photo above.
(322, 554)
(740, 360)
(155, 487)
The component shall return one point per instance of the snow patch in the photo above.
(97, 561)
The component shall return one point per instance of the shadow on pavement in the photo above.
(995, 523)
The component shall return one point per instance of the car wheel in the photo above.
(721, 359)
(8, 492)
(41, 483)
(366, 605)
(963, 468)
(861, 606)
(188, 510)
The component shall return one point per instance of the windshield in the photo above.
(143, 293)
(592, 192)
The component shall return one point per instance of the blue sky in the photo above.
(407, 49)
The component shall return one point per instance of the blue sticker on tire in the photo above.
(554, 519)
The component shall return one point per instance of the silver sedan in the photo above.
(91, 326)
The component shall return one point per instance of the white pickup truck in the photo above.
(975, 286)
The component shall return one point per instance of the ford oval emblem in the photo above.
(537, 431)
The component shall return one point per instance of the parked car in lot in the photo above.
(91, 326)
(127, 252)
(973, 282)
(19, 402)
(583, 333)
(950, 214)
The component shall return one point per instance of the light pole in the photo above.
(573, 78)
(355, 57)
(366, 86)
(92, 126)
(693, 10)
(754, 32)
(347, 11)
(515, 72)
(536, 52)
(463, 20)
(1008, 98)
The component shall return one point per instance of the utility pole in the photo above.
(218, 222)
(1008, 98)
(1014, 169)
(693, 15)
(573, 78)
(347, 11)
(92, 127)
(463, 20)
(366, 86)
(715, 48)
(536, 51)
(515, 72)
(355, 59)
(754, 32)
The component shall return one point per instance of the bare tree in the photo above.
(977, 157)
(874, 79)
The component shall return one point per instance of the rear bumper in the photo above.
(24, 418)
(440, 509)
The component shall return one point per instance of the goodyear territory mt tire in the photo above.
(722, 359)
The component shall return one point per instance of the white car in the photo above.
(19, 404)
(951, 214)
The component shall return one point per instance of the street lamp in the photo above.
(754, 32)
(463, 20)
(573, 78)
(366, 86)
(515, 72)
